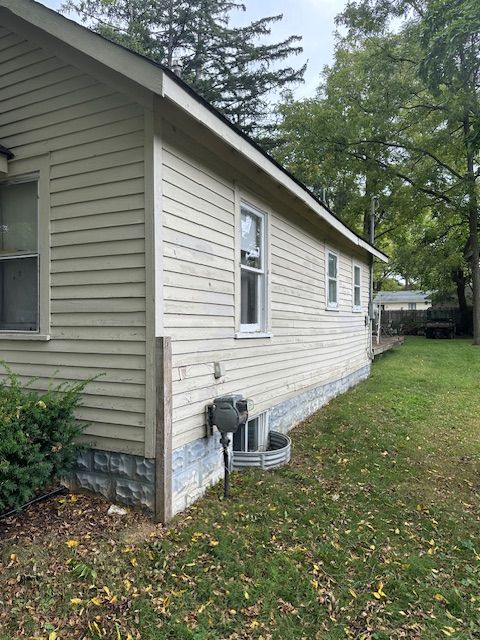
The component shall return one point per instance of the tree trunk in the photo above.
(458, 277)
(472, 207)
(475, 266)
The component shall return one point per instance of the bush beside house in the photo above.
(37, 437)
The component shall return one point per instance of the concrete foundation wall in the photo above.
(121, 477)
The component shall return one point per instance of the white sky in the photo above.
(312, 19)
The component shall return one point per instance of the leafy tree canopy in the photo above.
(231, 66)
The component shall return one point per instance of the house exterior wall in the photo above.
(88, 139)
(312, 355)
(403, 306)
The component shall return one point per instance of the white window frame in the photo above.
(412, 306)
(356, 307)
(257, 329)
(331, 306)
(262, 431)
(29, 170)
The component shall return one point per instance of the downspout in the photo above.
(371, 239)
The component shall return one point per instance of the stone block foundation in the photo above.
(120, 477)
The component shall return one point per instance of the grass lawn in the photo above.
(371, 532)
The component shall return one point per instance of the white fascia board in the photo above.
(91, 44)
(185, 101)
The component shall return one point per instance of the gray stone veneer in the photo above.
(199, 464)
(195, 466)
(287, 414)
(120, 477)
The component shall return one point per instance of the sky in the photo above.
(311, 19)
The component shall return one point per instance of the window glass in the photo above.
(19, 294)
(18, 218)
(332, 265)
(356, 286)
(332, 291)
(356, 297)
(250, 297)
(357, 276)
(253, 436)
(239, 439)
(253, 281)
(332, 285)
(19, 259)
(251, 243)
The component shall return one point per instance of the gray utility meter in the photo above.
(228, 413)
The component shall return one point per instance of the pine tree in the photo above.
(228, 65)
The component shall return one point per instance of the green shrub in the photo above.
(37, 437)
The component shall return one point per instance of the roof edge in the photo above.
(145, 72)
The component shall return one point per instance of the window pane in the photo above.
(332, 291)
(249, 312)
(251, 241)
(356, 272)
(18, 217)
(332, 265)
(356, 296)
(239, 439)
(252, 444)
(19, 294)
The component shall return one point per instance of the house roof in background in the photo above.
(403, 296)
(162, 81)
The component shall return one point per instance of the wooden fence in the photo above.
(413, 322)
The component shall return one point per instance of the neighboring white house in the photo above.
(403, 300)
(145, 238)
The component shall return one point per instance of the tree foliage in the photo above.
(231, 66)
(397, 116)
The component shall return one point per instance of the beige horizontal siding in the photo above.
(94, 136)
(310, 345)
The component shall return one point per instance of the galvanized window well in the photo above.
(255, 446)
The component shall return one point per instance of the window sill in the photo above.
(332, 309)
(24, 336)
(257, 334)
(357, 310)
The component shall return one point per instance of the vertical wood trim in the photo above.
(150, 360)
(163, 448)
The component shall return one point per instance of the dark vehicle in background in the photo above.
(440, 323)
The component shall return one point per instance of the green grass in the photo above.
(371, 532)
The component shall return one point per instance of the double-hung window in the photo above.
(253, 270)
(412, 306)
(357, 288)
(332, 280)
(19, 256)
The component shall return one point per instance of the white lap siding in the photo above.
(309, 347)
(94, 138)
